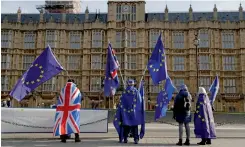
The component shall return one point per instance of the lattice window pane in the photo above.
(5, 61)
(52, 38)
(49, 85)
(29, 40)
(4, 83)
(27, 61)
(204, 38)
(229, 85)
(229, 63)
(74, 62)
(75, 40)
(227, 39)
(178, 82)
(153, 36)
(95, 84)
(96, 61)
(6, 38)
(97, 39)
(204, 62)
(205, 82)
(179, 63)
(178, 40)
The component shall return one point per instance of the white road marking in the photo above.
(40, 145)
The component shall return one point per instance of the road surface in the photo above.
(156, 135)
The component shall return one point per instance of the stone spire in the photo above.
(240, 12)
(166, 13)
(86, 14)
(19, 15)
(41, 15)
(215, 13)
(190, 14)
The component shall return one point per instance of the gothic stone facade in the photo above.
(80, 42)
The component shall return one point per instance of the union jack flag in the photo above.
(111, 82)
(67, 117)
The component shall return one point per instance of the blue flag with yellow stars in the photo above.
(41, 70)
(117, 122)
(203, 118)
(157, 63)
(214, 88)
(163, 99)
(111, 82)
(142, 94)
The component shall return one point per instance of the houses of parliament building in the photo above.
(79, 42)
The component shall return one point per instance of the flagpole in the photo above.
(143, 74)
(122, 77)
(120, 72)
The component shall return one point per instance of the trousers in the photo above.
(126, 130)
(187, 130)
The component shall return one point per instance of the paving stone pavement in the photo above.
(112, 142)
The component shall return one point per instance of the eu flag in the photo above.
(163, 99)
(111, 82)
(117, 122)
(214, 88)
(142, 93)
(41, 70)
(157, 63)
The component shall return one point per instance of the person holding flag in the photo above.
(204, 119)
(67, 117)
(182, 113)
(130, 114)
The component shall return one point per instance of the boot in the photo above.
(187, 142)
(136, 141)
(208, 141)
(203, 142)
(125, 141)
(179, 143)
(77, 139)
(63, 138)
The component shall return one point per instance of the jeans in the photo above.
(187, 130)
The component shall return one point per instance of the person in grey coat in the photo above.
(182, 113)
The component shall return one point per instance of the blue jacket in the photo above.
(182, 107)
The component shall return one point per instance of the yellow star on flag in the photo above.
(203, 119)
(36, 64)
(115, 119)
(41, 76)
(151, 66)
(32, 82)
(40, 67)
(42, 71)
(199, 116)
(160, 64)
(38, 80)
(27, 83)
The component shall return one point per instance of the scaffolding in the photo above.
(72, 6)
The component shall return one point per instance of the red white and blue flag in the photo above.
(67, 117)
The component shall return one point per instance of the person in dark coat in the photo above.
(182, 114)
(204, 119)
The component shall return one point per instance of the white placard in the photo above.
(23, 120)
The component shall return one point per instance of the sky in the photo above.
(29, 6)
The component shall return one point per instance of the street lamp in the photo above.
(196, 43)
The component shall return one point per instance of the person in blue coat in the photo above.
(182, 114)
(129, 114)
